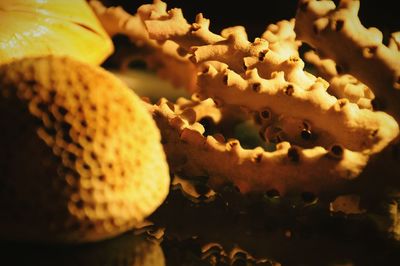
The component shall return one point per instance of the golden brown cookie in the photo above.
(81, 158)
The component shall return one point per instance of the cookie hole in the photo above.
(261, 55)
(67, 138)
(84, 123)
(51, 117)
(342, 103)
(258, 158)
(79, 146)
(289, 90)
(62, 111)
(293, 154)
(195, 97)
(306, 134)
(369, 52)
(256, 87)
(339, 24)
(79, 204)
(93, 155)
(65, 127)
(337, 151)
(106, 119)
(265, 114)
(205, 69)
(72, 157)
(52, 95)
(181, 51)
(42, 107)
(233, 143)
(225, 80)
(50, 131)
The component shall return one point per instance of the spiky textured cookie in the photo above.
(267, 79)
(362, 54)
(80, 159)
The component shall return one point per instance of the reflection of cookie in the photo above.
(81, 158)
(127, 249)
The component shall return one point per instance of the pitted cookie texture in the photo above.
(81, 158)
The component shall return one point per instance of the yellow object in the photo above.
(81, 158)
(52, 27)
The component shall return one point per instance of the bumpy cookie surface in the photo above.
(80, 159)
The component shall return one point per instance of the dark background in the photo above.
(256, 15)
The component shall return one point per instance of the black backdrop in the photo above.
(255, 15)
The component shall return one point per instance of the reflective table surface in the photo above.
(197, 226)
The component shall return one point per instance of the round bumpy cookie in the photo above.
(81, 158)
